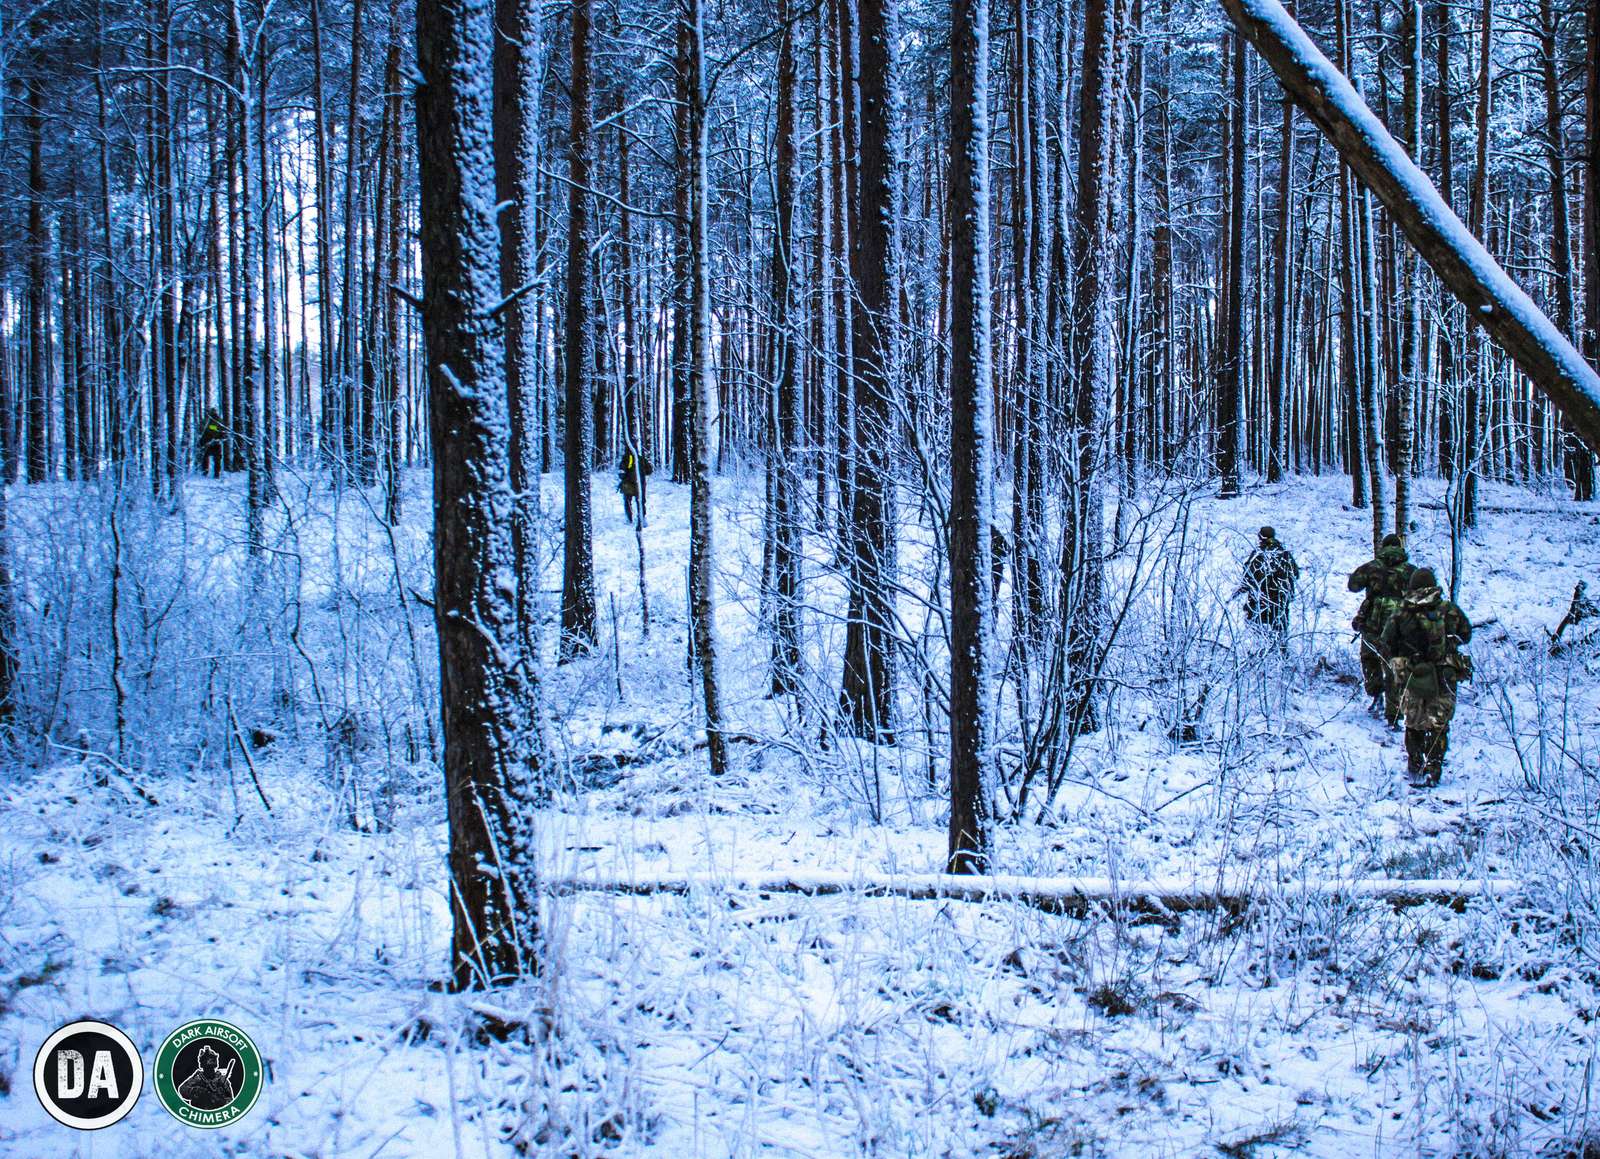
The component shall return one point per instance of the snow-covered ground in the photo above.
(728, 1022)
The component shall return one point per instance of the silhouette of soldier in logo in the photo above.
(208, 1088)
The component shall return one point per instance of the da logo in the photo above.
(208, 1073)
(88, 1075)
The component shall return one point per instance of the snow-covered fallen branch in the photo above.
(1492, 299)
(1067, 895)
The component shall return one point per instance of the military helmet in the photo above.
(1267, 534)
(1392, 540)
(1423, 577)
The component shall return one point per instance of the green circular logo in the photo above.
(208, 1073)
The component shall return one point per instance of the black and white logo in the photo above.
(88, 1075)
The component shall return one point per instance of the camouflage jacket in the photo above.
(1384, 580)
(1427, 628)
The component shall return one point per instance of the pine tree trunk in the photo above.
(971, 449)
(866, 698)
(1591, 189)
(350, 336)
(1282, 322)
(518, 61)
(577, 580)
(489, 701)
(785, 514)
(1577, 462)
(249, 379)
(1407, 383)
(702, 547)
(38, 288)
(1083, 562)
(1450, 320)
(1232, 368)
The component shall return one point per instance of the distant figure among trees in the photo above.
(213, 437)
(1270, 575)
(631, 475)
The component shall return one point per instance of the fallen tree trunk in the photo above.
(1492, 299)
(1074, 896)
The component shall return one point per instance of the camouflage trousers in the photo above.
(1378, 678)
(1428, 719)
(1432, 712)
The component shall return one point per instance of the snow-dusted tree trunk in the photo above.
(702, 548)
(1231, 367)
(577, 578)
(971, 442)
(1282, 322)
(1576, 458)
(488, 699)
(1502, 308)
(518, 61)
(1092, 347)
(1591, 184)
(326, 376)
(350, 332)
(866, 699)
(1407, 382)
(248, 376)
(38, 311)
(786, 493)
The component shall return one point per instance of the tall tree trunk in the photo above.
(971, 449)
(248, 377)
(702, 548)
(1451, 321)
(786, 496)
(1092, 353)
(327, 374)
(1410, 274)
(1231, 387)
(38, 288)
(577, 580)
(518, 61)
(1577, 462)
(488, 699)
(867, 695)
(1282, 322)
(349, 308)
(1591, 184)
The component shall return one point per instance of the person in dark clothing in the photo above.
(1423, 642)
(631, 474)
(1270, 575)
(1384, 581)
(208, 1088)
(213, 437)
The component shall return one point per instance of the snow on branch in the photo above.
(1497, 303)
(1066, 895)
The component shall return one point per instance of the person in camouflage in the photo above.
(1423, 640)
(213, 437)
(1270, 575)
(1384, 581)
(208, 1088)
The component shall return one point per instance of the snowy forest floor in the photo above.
(722, 1022)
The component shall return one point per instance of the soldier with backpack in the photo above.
(1270, 575)
(1384, 581)
(1423, 640)
(631, 474)
(213, 436)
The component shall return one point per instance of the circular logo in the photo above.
(88, 1075)
(208, 1073)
